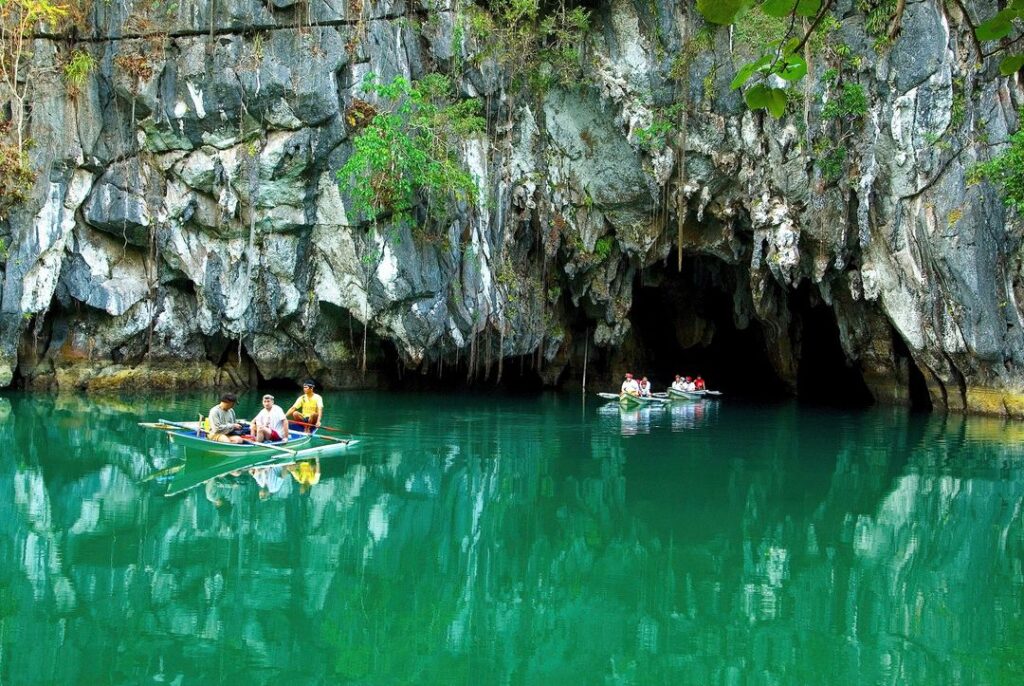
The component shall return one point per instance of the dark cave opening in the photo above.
(920, 399)
(825, 375)
(683, 323)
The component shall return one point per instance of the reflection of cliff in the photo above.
(516, 544)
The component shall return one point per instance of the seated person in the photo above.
(309, 408)
(678, 383)
(270, 423)
(223, 426)
(645, 388)
(630, 386)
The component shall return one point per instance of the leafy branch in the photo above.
(407, 156)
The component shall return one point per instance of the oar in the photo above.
(287, 451)
(155, 425)
(332, 438)
(176, 425)
(325, 428)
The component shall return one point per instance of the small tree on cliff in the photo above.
(407, 155)
(18, 20)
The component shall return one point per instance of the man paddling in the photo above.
(309, 408)
(270, 423)
(223, 426)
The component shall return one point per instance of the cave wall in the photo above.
(195, 200)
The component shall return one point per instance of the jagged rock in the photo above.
(216, 221)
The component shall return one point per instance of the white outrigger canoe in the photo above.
(190, 435)
(627, 400)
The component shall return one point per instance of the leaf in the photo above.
(778, 8)
(998, 26)
(808, 8)
(748, 70)
(793, 67)
(762, 97)
(721, 11)
(1011, 64)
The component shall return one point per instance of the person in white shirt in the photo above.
(645, 388)
(678, 383)
(630, 386)
(269, 424)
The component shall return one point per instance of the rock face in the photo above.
(188, 223)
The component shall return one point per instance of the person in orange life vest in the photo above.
(309, 408)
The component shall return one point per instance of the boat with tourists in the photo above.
(191, 435)
(629, 400)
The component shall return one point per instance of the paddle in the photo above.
(325, 428)
(336, 440)
(176, 425)
(287, 451)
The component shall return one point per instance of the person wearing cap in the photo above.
(630, 386)
(223, 425)
(270, 423)
(309, 408)
(678, 383)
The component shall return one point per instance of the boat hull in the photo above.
(201, 444)
(676, 394)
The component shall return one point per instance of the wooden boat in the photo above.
(189, 435)
(626, 400)
(676, 394)
(296, 441)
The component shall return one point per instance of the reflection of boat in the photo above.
(201, 466)
(635, 420)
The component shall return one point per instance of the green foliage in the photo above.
(16, 177)
(851, 103)
(603, 248)
(655, 136)
(781, 57)
(754, 30)
(958, 110)
(781, 54)
(1005, 170)
(831, 163)
(878, 17)
(703, 41)
(406, 156)
(77, 70)
(539, 44)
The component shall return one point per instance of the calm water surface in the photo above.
(480, 540)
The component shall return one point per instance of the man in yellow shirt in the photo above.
(309, 408)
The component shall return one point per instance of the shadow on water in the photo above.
(483, 539)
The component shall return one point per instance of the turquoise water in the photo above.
(476, 539)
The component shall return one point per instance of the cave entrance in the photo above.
(825, 375)
(683, 323)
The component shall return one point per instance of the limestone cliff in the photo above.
(187, 221)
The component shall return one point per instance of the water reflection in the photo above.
(512, 541)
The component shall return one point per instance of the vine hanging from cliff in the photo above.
(407, 156)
